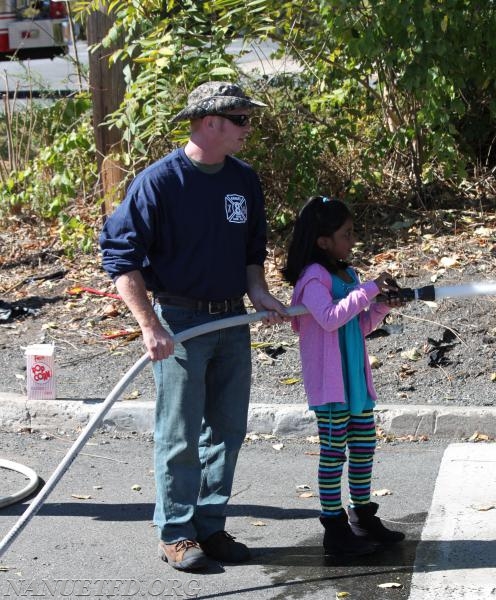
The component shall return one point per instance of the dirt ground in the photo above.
(424, 353)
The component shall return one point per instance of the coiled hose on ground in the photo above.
(26, 490)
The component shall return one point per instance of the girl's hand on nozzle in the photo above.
(389, 290)
(386, 283)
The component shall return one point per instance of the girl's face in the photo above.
(339, 245)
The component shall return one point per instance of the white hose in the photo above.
(26, 490)
(74, 450)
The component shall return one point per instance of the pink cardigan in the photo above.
(318, 332)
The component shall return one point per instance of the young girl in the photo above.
(336, 370)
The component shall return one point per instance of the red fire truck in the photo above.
(32, 29)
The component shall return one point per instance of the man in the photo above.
(192, 231)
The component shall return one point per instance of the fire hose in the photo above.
(96, 419)
(26, 490)
(405, 294)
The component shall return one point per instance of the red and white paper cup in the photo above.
(40, 371)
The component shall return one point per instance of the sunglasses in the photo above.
(239, 120)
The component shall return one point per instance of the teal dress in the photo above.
(357, 398)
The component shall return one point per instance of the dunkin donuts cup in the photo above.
(40, 366)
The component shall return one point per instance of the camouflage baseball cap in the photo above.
(215, 97)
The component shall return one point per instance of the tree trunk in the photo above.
(107, 90)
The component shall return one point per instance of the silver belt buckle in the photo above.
(218, 311)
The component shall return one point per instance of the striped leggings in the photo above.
(336, 431)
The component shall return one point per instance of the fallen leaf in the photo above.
(383, 256)
(493, 376)
(77, 290)
(430, 303)
(412, 354)
(111, 311)
(342, 595)
(406, 371)
(478, 437)
(258, 524)
(132, 395)
(81, 496)
(484, 508)
(390, 585)
(290, 380)
(115, 333)
(265, 358)
(484, 231)
(303, 487)
(449, 261)
(307, 495)
(406, 224)
(374, 362)
(383, 492)
(4, 568)
(260, 344)
(313, 439)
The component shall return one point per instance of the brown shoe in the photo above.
(185, 555)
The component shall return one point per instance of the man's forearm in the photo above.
(132, 290)
(257, 284)
(262, 299)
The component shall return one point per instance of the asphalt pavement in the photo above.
(94, 537)
(94, 534)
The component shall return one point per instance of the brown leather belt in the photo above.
(213, 307)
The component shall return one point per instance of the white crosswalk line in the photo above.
(456, 557)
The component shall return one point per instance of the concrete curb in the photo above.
(17, 412)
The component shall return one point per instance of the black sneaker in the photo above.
(222, 547)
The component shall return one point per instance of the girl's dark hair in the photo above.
(320, 216)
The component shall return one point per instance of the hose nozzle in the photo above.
(409, 294)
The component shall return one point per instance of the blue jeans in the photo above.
(200, 424)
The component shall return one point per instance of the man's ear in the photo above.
(208, 121)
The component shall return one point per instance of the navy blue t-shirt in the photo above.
(189, 233)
